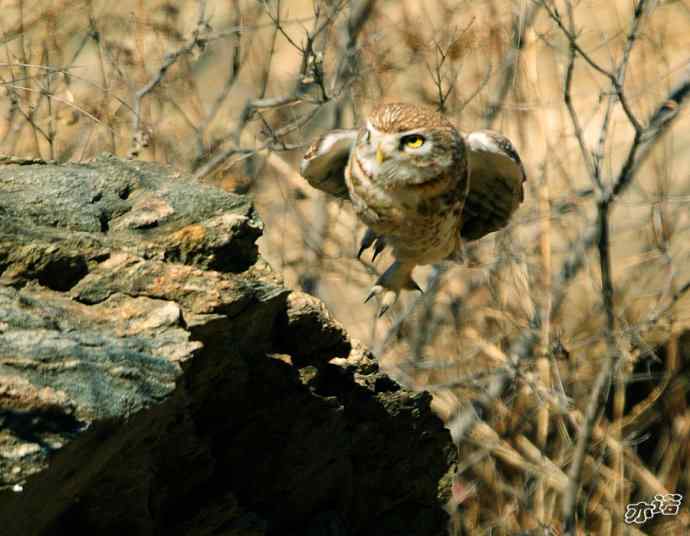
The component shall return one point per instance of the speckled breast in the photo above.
(420, 222)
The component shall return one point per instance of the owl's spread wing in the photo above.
(324, 162)
(496, 183)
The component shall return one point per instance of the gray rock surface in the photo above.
(156, 377)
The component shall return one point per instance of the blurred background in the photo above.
(511, 344)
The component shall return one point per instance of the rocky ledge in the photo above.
(156, 377)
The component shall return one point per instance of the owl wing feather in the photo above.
(324, 163)
(496, 183)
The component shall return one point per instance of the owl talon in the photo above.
(376, 289)
(367, 240)
(397, 277)
(378, 247)
(388, 298)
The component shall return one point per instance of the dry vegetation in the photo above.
(557, 355)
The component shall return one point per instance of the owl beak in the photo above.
(380, 156)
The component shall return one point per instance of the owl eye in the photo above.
(367, 136)
(413, 141)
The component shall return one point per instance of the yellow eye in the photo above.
(413, 141)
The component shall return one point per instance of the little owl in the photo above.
(419, 185)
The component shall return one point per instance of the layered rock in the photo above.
(156, 377)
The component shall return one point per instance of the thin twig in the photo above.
(197, 40)
(608, 366)
(661, 120)
(521, 24)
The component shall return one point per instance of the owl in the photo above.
(420, 186)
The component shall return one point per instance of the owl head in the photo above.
(403, 144)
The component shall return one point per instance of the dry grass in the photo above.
(233, 92)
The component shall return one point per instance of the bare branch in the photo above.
(608, 366)
(524, 345)
(197, 40)
(567, 98)
(522, 22)
(661, 120)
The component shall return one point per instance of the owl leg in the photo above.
(398, 276)
(369, 238)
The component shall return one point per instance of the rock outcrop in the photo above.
(156, 377)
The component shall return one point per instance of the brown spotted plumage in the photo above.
(419, 185)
